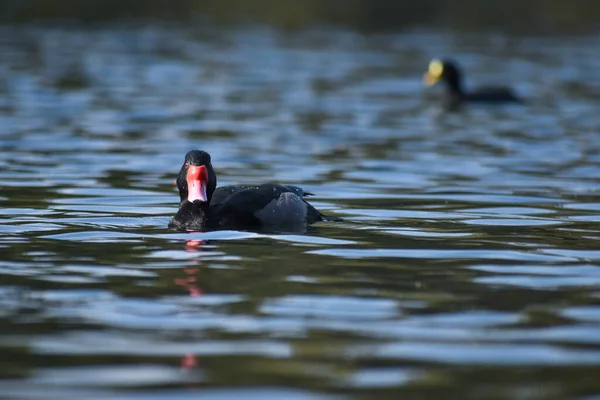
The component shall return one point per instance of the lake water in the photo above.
(467, 264)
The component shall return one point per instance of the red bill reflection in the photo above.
(190, 284)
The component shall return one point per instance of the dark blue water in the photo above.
(467, 264)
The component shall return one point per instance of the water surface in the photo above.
(467, 264)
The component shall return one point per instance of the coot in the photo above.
(450, 74)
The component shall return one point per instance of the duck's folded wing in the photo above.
(240, 207)
(222, 193)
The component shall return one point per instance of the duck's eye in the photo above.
(187, 164)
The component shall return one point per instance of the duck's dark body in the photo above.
(483, 95)
(189, 217)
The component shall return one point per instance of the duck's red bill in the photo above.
(197, 180)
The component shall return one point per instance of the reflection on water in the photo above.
(466, 264)
(190, 283)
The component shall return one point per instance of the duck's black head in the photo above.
(197, 179)
(446, 70)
